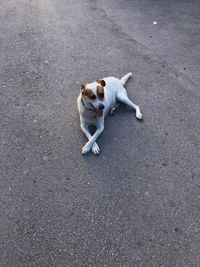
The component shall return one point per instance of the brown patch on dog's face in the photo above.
(87, 92)
(100, 92)
(100, 89)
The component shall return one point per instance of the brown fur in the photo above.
(102, 82)
(100, 91)
(86, 92)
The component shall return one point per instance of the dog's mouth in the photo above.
(98, 111)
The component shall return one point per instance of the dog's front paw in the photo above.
(95, 149)
(86, 148)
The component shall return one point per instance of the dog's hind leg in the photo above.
(112, 110)
(123, 98)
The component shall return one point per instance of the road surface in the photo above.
(137, 203)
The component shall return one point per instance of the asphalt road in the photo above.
(137, 203)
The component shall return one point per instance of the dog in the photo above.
(96, 100)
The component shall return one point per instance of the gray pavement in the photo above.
(137, 203)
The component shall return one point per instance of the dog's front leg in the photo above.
(95, 147)
(92, 139)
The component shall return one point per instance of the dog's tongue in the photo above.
(99, 112)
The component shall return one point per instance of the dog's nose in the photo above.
(101, 106)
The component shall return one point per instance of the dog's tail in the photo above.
(125, 78)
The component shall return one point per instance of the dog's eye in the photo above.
(93, 97)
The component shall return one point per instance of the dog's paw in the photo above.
(95, 149)
(112, 111)
(139, 115)
(86, 148)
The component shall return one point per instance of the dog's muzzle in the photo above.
(99, 111)
(101, 106)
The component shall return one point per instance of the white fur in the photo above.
(114, 92)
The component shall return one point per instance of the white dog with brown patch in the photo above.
(94, 103)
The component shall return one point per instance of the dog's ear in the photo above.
(82, 86)
(102, 82)
(83, 89)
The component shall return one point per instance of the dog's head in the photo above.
(93, 94)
